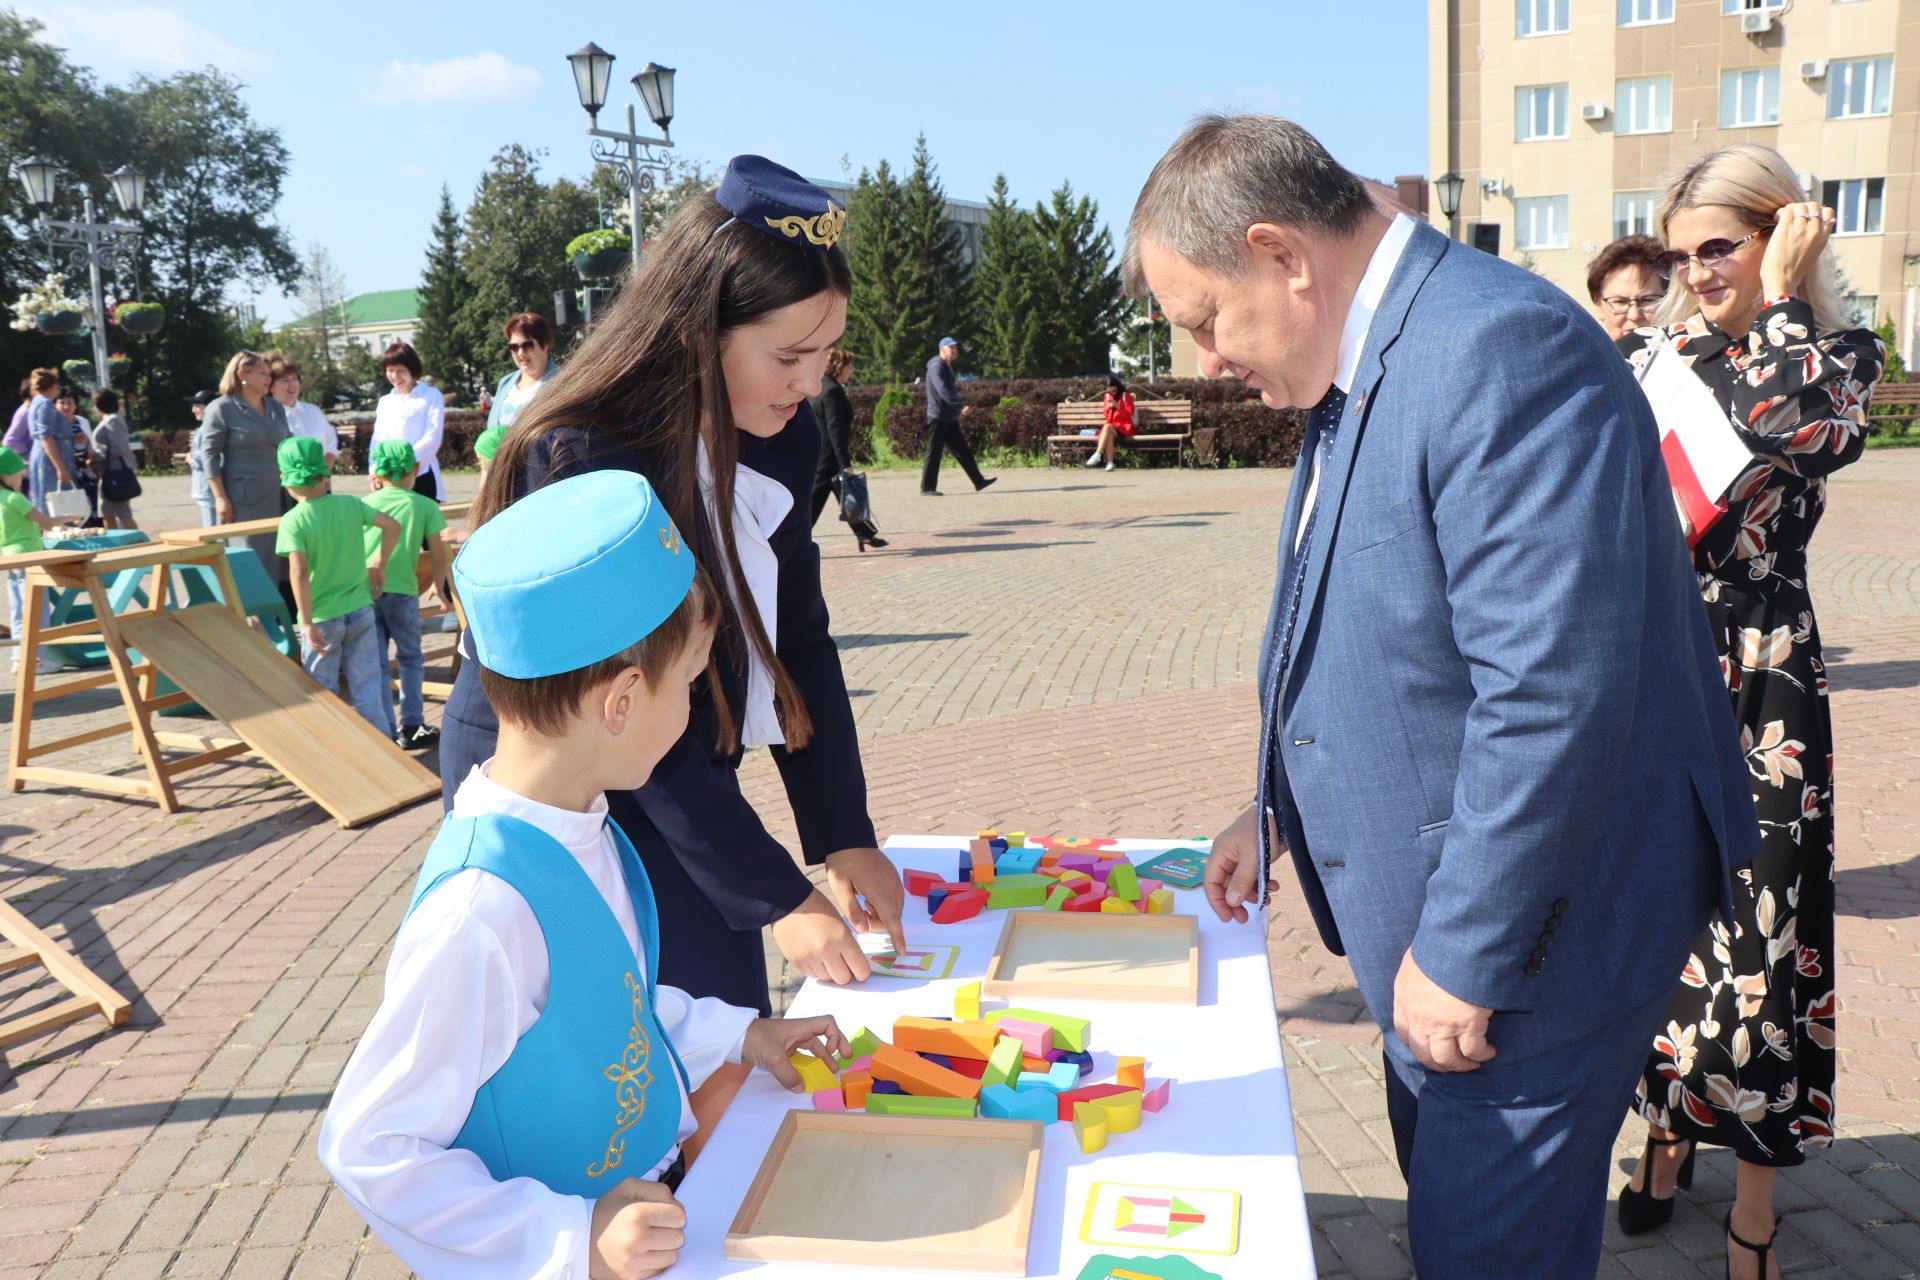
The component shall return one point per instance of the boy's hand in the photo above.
(771, 1041)
(816, 940)
(638, 1229)
(377, 577)
(315, 638)
(853, 874)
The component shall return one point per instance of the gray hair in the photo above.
(1226, 173)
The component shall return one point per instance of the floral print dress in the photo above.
(1747, 1057)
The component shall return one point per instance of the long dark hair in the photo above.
(1116, 387)
(649, 377)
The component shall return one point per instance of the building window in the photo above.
(1540, 17)
(1539, 112)
(1643, 106)
(1540, 222)
(1859, 87)
(1641, 13)
(1633, 213)
(1864, 307)
(1856, 205)
(1743, 6)
(1749, 97)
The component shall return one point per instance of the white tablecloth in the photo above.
(1229, 1123)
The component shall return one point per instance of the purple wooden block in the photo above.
(1078, 862)
(885, 1086)
(1099, 871)
(939, 1059)
(1054, 1055)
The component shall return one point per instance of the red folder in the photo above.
(1701, 511)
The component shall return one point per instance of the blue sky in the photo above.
(380, 104)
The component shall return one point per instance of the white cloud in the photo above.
(473, 77)
(138, 37)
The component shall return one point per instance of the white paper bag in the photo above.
(68, 504)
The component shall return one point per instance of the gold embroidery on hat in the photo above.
(822, 229)
(631, 1080)
(670, 539)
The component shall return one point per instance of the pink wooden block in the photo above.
(1078, 862)
(859, 1064)
(1156, 1098)
(829, 1100)
(1148, 887)
(1034, 1037)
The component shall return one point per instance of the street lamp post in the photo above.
(103, 248)
(1446, 188)
(633, 157)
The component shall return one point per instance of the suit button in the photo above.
(1533, 967)
(1559, 906)
(1541, 943)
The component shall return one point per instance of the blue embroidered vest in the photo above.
(588, 1096)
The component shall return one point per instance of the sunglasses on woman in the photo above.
(515, 348)
(1711, 255)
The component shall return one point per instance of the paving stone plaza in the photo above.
(1068, 652)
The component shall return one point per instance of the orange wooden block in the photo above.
(982, 867)
(854, 1086)
(1051, 856)
(917, 1076)
(1030, 1063)
(950, 1039)
(1133, 1073)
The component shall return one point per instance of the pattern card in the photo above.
(1181, 868)
(922, 963)
(1187, 1219)
(1104, 1266)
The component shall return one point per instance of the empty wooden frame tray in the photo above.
(893, 1191)
(1092, 956)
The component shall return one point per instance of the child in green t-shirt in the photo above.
(486, 446)
(20, 527)
(396, 607)
(333, 578)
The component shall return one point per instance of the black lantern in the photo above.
(655, 84)
(1446, 189)
(591, 67)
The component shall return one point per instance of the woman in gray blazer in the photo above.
(239, 439)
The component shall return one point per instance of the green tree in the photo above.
(444, 290)
(685, 178)
(1145, 336)
(1005, 323)
(933, 288)
(1077, 288)
(876, 256)
(513, 248)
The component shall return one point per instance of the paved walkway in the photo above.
(1067, 651)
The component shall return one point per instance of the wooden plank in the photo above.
(28, 1025)
(76, 740)
(193, 741)
(140, 788)
(1094, 956)
(40, 559)
(221, 532)
(349, 768)
(893, 1191)
(137, 717)
(70, 973)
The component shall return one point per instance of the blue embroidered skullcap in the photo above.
(571, 574)
(776, 201)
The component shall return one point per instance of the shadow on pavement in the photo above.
(1873, 675)
(1860, 892)
(996, 546)
(872, 639)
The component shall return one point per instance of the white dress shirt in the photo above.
(468, 977)
(305, 419)
(759, 505)
(418, 416)
(1353, 340)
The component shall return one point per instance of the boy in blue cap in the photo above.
(396, 608)
(516, 1105)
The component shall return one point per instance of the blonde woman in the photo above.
(1747, 1060)
(238, 442)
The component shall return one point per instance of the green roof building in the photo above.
(374, 320)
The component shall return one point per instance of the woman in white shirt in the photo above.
(414, 412)
(303, 419)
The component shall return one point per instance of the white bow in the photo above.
(759, 505)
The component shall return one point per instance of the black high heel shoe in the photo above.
(1641, 1211)
(1760, 1249)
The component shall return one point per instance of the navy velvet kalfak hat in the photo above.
(776, 201)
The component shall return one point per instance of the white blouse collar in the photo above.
(579, 832)
(760, 504)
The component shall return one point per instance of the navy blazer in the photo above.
(691, 812)
(1504, 741)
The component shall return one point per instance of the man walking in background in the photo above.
(944, 412)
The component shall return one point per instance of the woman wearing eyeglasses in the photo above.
(529, 338)
(1625, 284)
(1747, 1060)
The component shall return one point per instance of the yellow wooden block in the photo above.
(966, 1003)
(1123, 1110)
(1016, 839)
(815, 1075)
(1160, 902)
(989, 835)
(1132, 1073)
(1089, 1127)
(1117, 906)
(1075, 878)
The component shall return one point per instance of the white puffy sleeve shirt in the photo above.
(468, 977)
(418, 416)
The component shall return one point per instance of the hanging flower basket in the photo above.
(140, 318)
(600, 255)
(58, 322)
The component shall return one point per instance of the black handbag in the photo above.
(119, 484)
(854, 506)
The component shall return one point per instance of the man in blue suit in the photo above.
(1495, 740)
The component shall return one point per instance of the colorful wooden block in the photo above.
(884, 1086)
(983, 872)
(1087, 900)
(936, 1035)
(1085, 862)
(1132, 1072)
(1085, 1094)
(1035, 1037)
(1083, 1062)
(1075, 880)
(861, 1044)
(1008, 897)
(861, 1063)
(1149, 887)
(854, 1086)
(1017, 862)
(1057, 897)
(998, 1102)
(971, 1068)
(1058, 1078)
(1069, 1032)
(1123, 882)
(1003, 1064)
(1160, 902)
(1118, 906)
(1051, 857)
(966, 1003)
(902, 1104)
(918, 882)
(1089, 1128)
(1123, 1111)
(1156, 1098)
(1033, 1062)
(964, 874)
(916, 1075)
(815, 1075)
(964, 905)
(988, 835)
(1016, 838)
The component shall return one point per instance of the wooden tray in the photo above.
(893, 1191)
(1091, 956)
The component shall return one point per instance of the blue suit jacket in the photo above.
(1503, 741)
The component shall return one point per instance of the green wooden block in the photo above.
(1123, 882)
(1003, 1064)
(1068, 1033)
(859, 1045)
(905, 1104)
(1057, 897)
(1001, 897)
(1024, 880)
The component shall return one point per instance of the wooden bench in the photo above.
(1159, 426)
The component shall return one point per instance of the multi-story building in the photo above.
(1565, 116)
(371, 320)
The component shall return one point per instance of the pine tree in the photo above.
(934, 289)
(876, 248)
(1005, 324)
(1077, 296)
(513, 249)
(444, 290)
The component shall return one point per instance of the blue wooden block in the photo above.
(966, 869)
(1018, 862)
(997, 1102)
(998, 844)
(935, 896)
(1083, 1061)
(1058, 1078)
(885, 1086)
(939, 1060)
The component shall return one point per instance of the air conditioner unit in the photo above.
(1756, 22)
(1593, 111)
(1813, 69)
